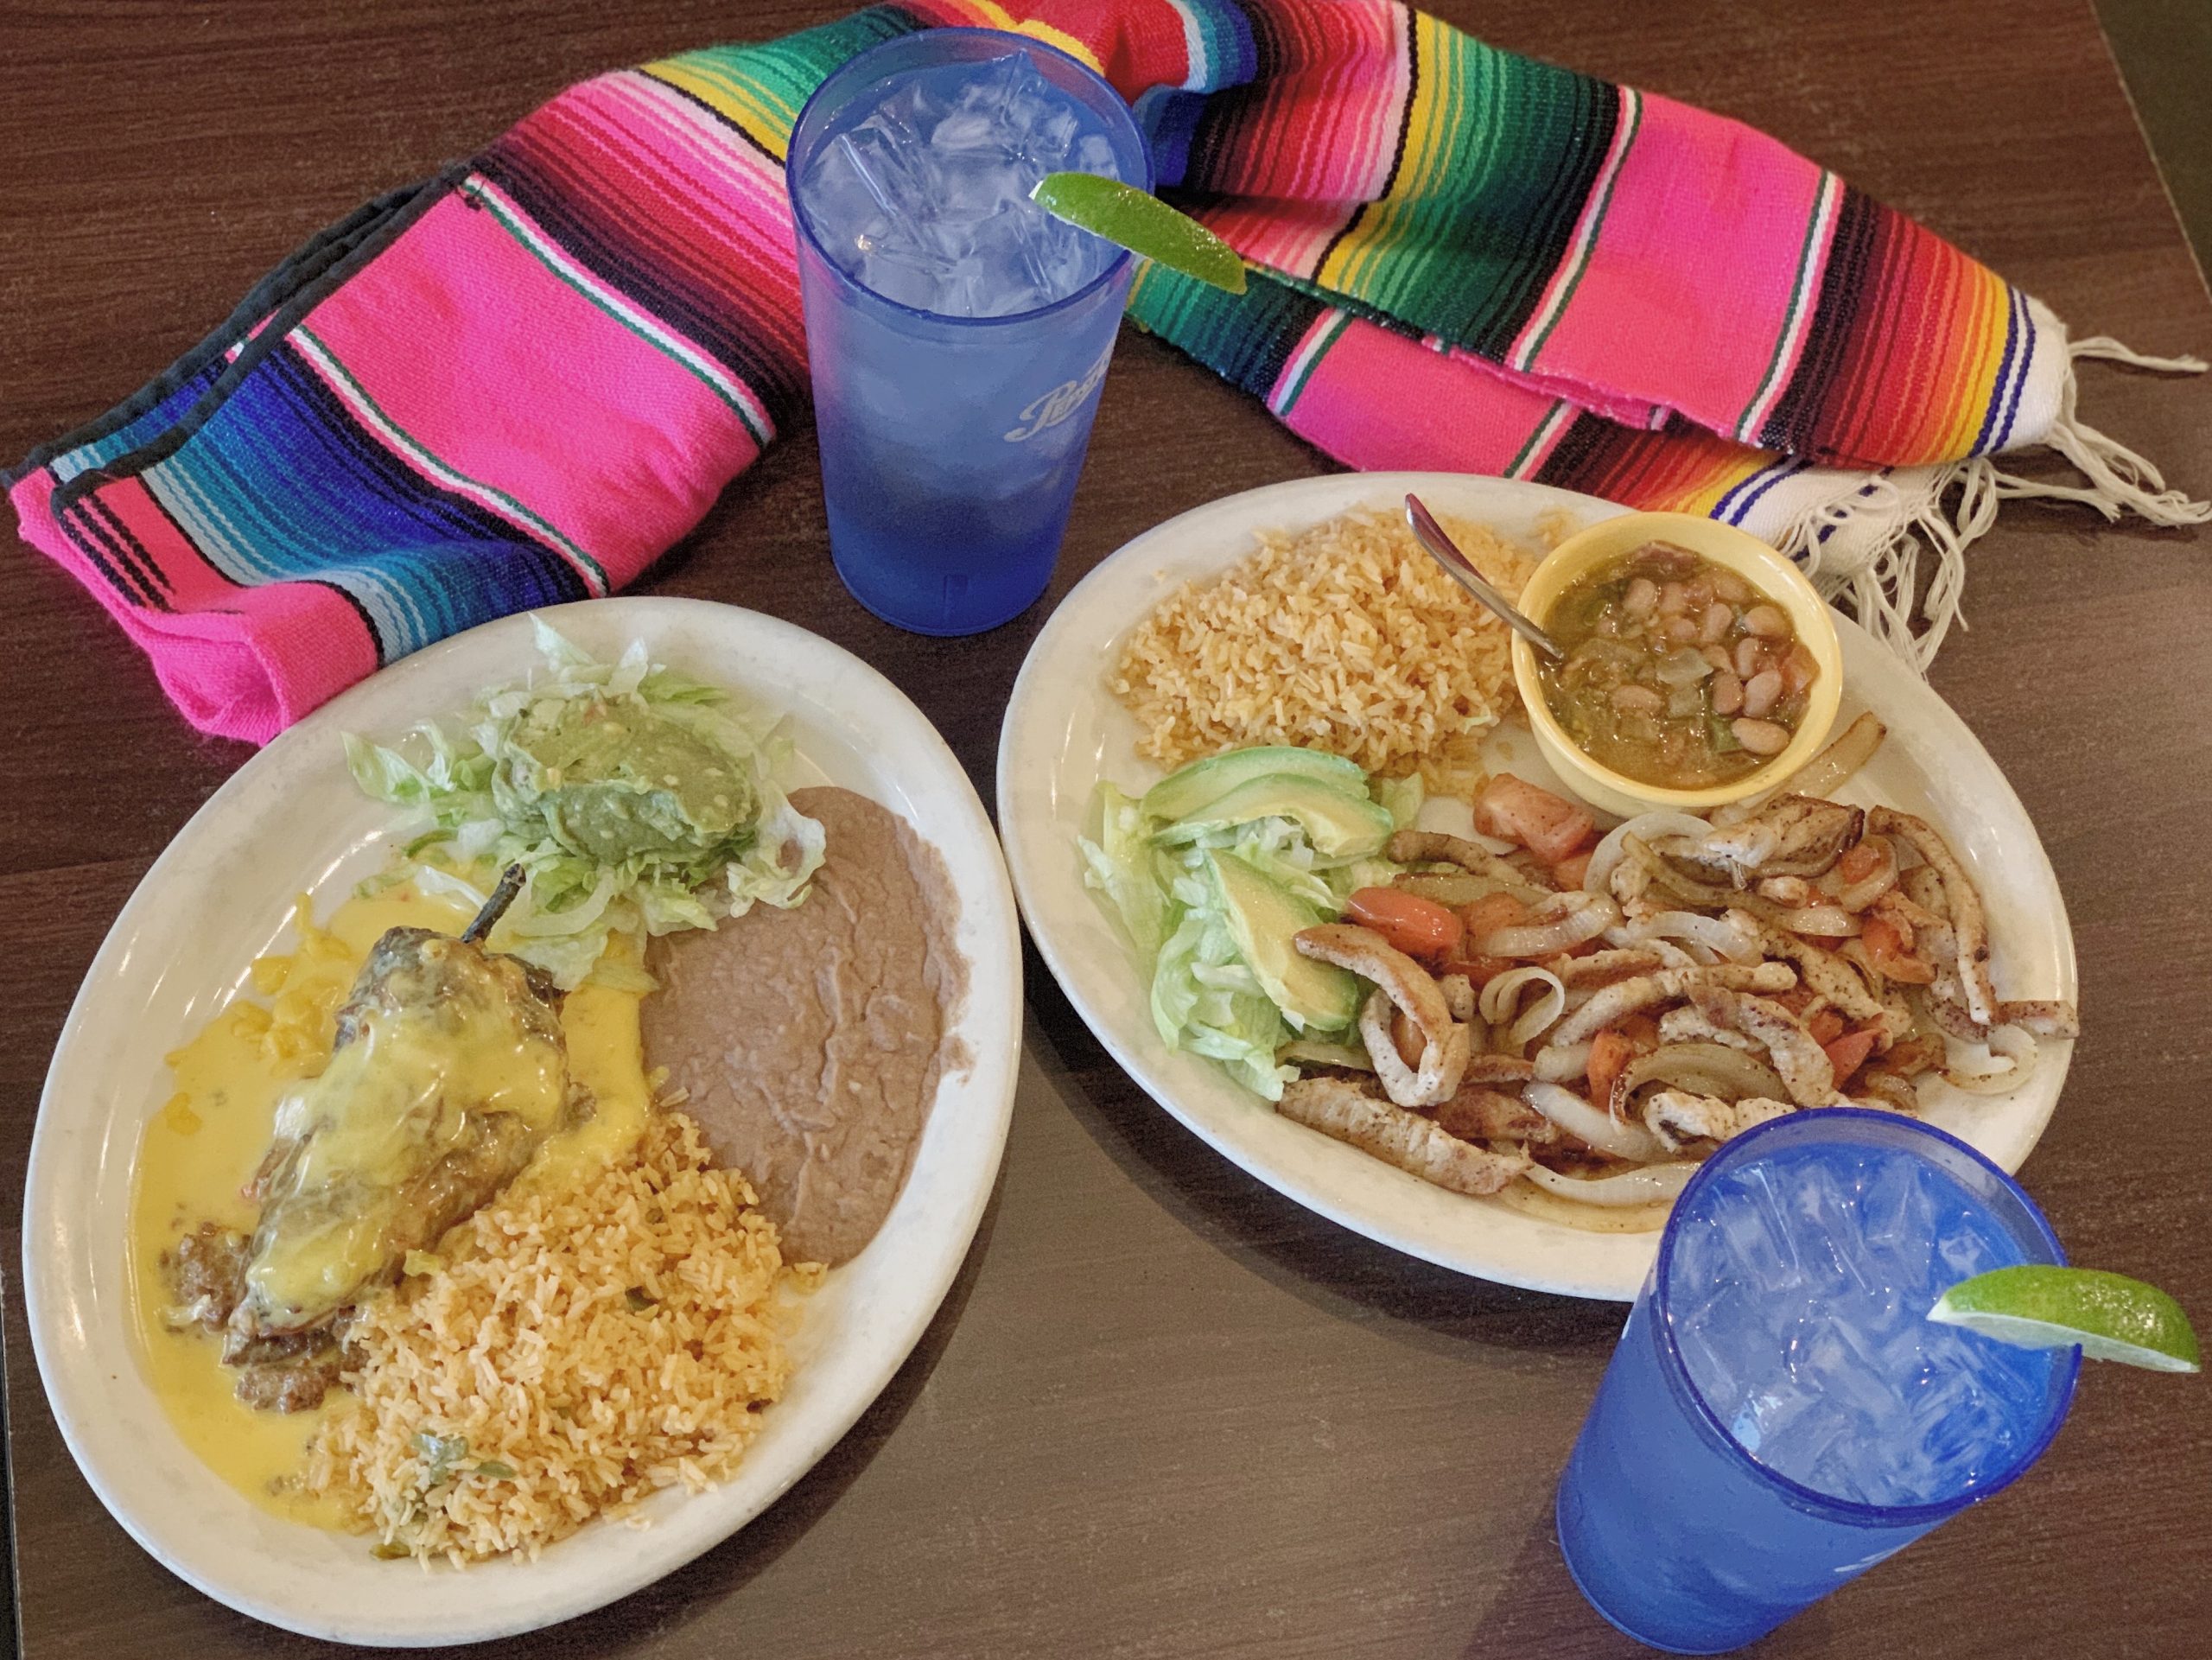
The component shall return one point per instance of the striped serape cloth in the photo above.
(519, 383)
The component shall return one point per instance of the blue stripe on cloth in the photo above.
(1167, 118)
(283, 484)
(1772, 477)
(2027, 324)
(1232, 56)
(2012, 356)
(124, 438)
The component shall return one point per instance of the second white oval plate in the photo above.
(292, 821)
(1065, 731)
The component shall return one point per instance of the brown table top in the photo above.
(1166, 1411)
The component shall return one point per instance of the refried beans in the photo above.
(808, 1043)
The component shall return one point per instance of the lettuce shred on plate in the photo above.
(639, 802)
(1206, 998)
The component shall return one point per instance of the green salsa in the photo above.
(1677, 672)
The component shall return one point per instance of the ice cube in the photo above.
(925, 198)
(1047, 133)
(908, 273)
(991, 87)
(844, 202)
(970, 131)
(1094, 153)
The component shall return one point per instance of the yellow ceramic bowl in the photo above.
(1741, 552)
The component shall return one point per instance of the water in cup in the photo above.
(1801, 1315)
(1780, 1414)
(925, 200)
(956, 333)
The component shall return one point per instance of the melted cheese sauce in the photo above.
(208, 1138)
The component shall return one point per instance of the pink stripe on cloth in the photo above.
(249, 670)
(511, 374)
(1706, 216)
(1285, 236)
(1376, 400)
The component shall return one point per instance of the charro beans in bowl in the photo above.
(1616, 757)
(1678, 671)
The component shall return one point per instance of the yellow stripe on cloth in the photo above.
(758, 113)
(1382, 227)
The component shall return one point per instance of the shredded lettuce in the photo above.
(639, 802)
(1122, 866)
(1204, 998)
(1402, 798)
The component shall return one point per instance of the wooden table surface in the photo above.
(1166, 1412)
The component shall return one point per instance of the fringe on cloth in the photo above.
(1864, 548)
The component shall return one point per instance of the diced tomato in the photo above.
(1826, 1027)
(1609, 1054)
(1860, 863)
(1570, 871)
(1420, 927)
(1885, 949)
(1640, 1029)
(1490, 914)
(1848, 1054)
(1914, 1056)
(1547, 826)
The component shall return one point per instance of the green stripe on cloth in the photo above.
(1500, 153)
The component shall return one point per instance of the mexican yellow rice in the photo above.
(570, 1355)
(1345, 637)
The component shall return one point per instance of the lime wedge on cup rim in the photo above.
(2039, 1307)
(1140, 221)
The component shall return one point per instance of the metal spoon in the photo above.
(1430, 535)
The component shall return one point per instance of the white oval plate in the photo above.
(292, 821)
(1064, 730)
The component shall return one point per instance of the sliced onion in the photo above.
(1683, 668)
(1858, 896)
(1719, 934)
(1306, 1052)
(1821, 921)
(1565, 921)
(1501, 997)
(1711, 1068)
(1591, 1126)
(1655, 1184)
(1457, 887)
(1557, 1062)
(1887, 1092)
(1682, 887)
(1609, 852)
(1974, 1067)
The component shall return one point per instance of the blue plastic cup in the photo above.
(1674, 1528)
(952, 445)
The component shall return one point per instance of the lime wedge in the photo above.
(2039, 1306)
(1140, 221)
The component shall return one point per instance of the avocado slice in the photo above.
(1341, 825)
(1205, 782)
(1263, 916)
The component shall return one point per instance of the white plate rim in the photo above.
(1084, 627)
(685, 1525)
